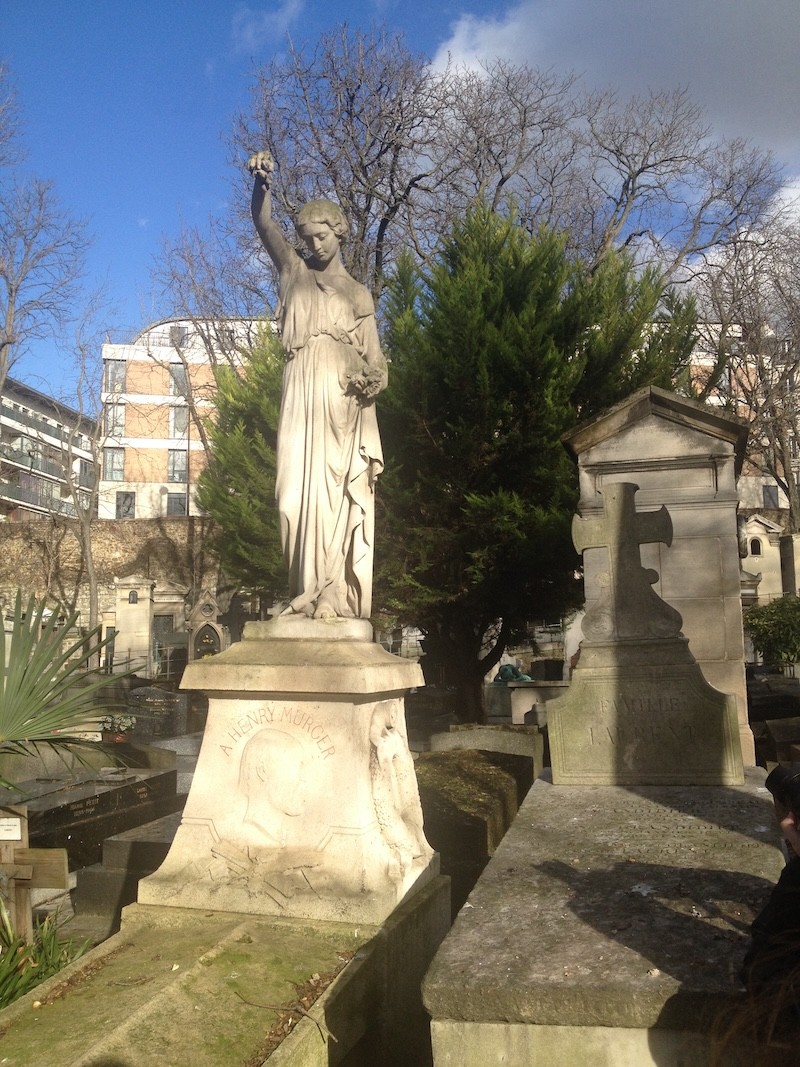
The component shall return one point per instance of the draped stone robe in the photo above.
(329, 451)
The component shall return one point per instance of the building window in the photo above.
(126, 505)
(114, 464)
(114, 420)
(755, 547)
(177, 466)
(176, 503)
(114, 370)
(770, 496)
(178, 335)
(86, 473)
(178, 380)
(178, 422)
(133, 597)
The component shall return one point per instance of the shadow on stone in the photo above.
(469, 798)
(688, 923)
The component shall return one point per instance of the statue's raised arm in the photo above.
(329, 451)
(261, 167)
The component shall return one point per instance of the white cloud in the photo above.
(511, 36)
(738, 58)
(254, 30)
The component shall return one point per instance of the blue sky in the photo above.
(126, 105)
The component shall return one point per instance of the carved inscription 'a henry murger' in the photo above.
(301, 720)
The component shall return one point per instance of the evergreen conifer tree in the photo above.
(237, 489)
(499, 349)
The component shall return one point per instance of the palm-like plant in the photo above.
(48, 693)
(23, 964)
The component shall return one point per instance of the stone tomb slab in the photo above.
(178, 987)
(79, 810)
(616, 912)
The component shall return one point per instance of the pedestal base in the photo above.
(641, 713)
(304, 802)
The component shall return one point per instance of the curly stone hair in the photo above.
(324, 211)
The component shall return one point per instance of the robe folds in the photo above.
(329, 451)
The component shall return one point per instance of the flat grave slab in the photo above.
(78, 811)
(611, 907)
(179, 986)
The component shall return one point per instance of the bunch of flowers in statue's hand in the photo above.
(261, 166)
(367, 383)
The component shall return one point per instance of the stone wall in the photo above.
(45, 558)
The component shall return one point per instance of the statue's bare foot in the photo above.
(306, 609)
(324, 611)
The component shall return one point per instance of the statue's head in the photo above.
(322, 211)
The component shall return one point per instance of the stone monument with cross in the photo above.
(639, 710)
(628, 606)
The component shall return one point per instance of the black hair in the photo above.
(784, 784)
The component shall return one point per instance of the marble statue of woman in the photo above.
(329, 451)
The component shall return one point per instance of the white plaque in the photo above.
(10, 829)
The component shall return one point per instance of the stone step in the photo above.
(144, 847)
(105, 889)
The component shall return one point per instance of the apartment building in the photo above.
(158, 393)
(42, 439)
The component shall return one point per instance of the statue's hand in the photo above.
(261, 165)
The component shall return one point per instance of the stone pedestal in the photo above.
(304, 802)
(641, 713)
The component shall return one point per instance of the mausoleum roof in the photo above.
(661, 403)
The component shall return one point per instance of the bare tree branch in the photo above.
(42, 252)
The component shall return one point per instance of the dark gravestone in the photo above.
(158, 712)
(104, 889)
(79, 811)
(783, 734)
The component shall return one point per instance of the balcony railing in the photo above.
(30, 462)
(38, 500)
(38, 424)
(26, 461)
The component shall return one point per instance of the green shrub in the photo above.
(49, 693)
(774, 629)
(23, 966)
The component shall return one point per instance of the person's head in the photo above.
(271, 775)
(784, 784)
(322, 226)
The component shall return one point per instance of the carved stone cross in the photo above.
(628, 606)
